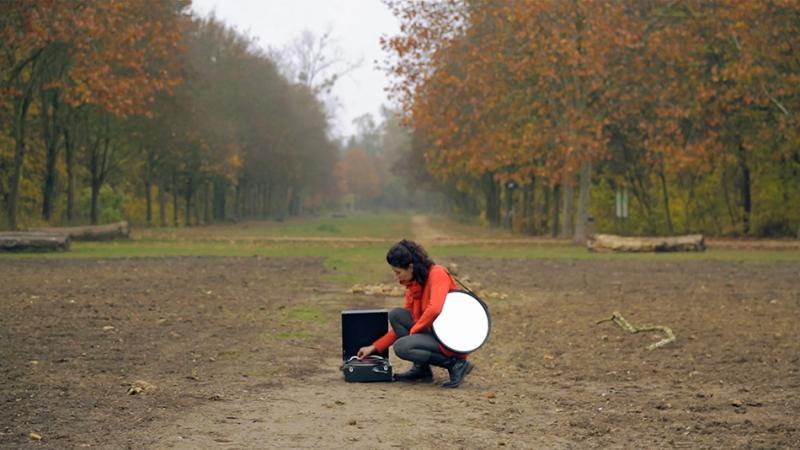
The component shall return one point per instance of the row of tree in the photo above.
(372, 164)
(112, 108)
(550, 107)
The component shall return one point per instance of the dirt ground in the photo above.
(244, 353)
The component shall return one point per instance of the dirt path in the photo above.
(424, 232)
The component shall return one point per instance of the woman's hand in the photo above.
(363, 352)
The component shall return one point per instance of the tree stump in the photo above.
(111, 231)
(612, 243)
(30, 241)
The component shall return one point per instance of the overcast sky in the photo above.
(356, 26)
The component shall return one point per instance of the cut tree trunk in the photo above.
(612, 243)
(33, 241)
(119, 230)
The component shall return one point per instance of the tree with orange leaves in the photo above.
(657, 95)
(110, 57)
(506, 90)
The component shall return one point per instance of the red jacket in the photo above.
(425, 304)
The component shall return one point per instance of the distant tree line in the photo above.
(138, 110)
(372, 169)
(542, 114)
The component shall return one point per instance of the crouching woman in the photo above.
(426, 284)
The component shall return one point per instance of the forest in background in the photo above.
(544, 115)
(541, 116)
(140, 111)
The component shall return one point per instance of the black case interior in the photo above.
(361, 328)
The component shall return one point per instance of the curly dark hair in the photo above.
(407, 252)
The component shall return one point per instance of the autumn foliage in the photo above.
(690, 106)
(124, 108)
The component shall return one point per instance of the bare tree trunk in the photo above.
(295, 201)
(726, 196)
(583, 203)
(267, 201)
(196, 201)
(744, 187)
(532, 220)
(688, 206)
(245, 212)
(99, 161)
(162, 202)
(175, 198)
(271, 194)
(258, 198)
(95, 185)
(206, 202)
(252, 201)
(52, 135)
(281, 204)
(509, 220)
(568, 229)
(148, 187)
(220, 194)
(188, 201)
(69, 154)
(665, 192)
(148, 195)
(20, 113)
(545, 215)
(237, 200)
(556, 208)
(526, 208)
(492, 194)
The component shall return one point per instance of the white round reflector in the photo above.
(463, 325)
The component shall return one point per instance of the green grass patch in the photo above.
(351, 260)
(567, 252)
(358, 264)
(305, 313)
(390, 226)
(329, 228)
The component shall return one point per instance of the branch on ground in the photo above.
(617, 318)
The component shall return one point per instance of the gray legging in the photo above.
(420, 348)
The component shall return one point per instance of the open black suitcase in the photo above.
(361, 328)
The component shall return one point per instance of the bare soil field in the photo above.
(245, 353)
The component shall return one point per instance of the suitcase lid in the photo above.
(362, 327)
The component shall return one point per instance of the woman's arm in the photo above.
(440, 283)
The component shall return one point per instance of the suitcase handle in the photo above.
(375, 357)
(372, 357)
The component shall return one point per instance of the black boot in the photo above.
(417, 373)
(458, 369)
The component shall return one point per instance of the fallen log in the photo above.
(612, 243)
(108, 232)
(30, 241)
